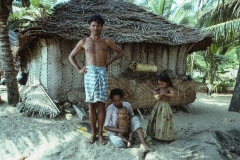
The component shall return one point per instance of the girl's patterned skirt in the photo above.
(160, 124)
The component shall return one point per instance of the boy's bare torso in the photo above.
(124, 124)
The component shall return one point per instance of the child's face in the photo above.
(163, 84)
(122, 113)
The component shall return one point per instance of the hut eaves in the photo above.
(125, 23)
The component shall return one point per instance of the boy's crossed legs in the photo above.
(128, 141)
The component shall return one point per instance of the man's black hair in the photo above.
(116, 91)
(98, 18)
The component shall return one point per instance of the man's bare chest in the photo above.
(95, 47)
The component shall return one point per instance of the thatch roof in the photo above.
(125, 23)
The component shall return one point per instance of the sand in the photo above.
(209, 131)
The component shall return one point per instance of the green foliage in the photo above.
(185, 14)
(163, 7)
(24, 17)
(219, 13)
(36, 3)
(234, 52)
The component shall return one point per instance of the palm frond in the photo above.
(188, 9)
(220, 13)
(21, 23)
(163, 7)
(234, 51)
(219, 30)
(167, 8)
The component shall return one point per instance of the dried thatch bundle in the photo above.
(34, 100)
(140, 67)
(185, 92)
(136, 92)
(138, 76)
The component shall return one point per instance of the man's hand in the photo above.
(83, 70)
(107, 64)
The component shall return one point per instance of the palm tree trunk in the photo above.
(7, 59)
(235, 102)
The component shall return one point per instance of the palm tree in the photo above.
(6, 54)
(224, 21)
(234, 105)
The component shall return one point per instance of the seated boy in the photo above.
(123, 122)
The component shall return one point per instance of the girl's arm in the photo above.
(156, 89)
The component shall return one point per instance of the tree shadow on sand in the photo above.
(229, 147)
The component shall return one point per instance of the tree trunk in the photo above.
(7, 59)
(235, 102)
(192, 64)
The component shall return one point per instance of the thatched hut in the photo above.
(145, 38)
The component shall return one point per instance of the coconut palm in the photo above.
(234, 105)
(224, 21)
(6, 54)
(219, 17)
(222, 18)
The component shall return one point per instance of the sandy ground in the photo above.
(209, 131)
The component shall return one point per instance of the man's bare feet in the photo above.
(129, 145)
(102, 140)
(91, 140)
(142, 153)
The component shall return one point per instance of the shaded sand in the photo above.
(202, 134)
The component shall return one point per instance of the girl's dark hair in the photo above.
(163, 76)
(116, 91)
(98, 18)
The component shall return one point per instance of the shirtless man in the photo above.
(95, 72)
(123, 122)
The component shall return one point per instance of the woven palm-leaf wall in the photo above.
(164, 56)
(48, 63)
